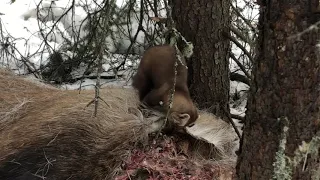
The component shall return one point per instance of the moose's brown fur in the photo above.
(49, 133)
(155, 79)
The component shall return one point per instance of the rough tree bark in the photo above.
(286, 86)
(204, 23)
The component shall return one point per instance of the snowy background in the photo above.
(20, 27)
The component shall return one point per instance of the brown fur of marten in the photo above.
(155, 79)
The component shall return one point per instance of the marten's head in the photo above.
(183, 112)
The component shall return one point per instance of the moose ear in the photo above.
(180, 119)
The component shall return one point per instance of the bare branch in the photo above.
(140, 28)
(240, 78)
(234, 116)
(237, 43)
(231, 121)
(241, 66)
(243, 18)
(240, 35)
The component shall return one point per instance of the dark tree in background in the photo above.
(204, 23)
(283, 108)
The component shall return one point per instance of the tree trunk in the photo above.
(204, 23)
(283, 107)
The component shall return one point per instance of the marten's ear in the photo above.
(192, 124)
(180, 119)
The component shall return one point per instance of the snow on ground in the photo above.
(24, 33)
(18, 23)
(238, 107)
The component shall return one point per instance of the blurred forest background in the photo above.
(253, 61)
